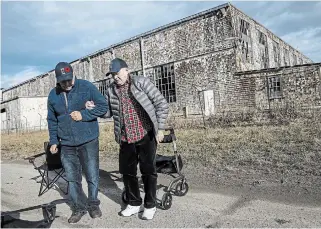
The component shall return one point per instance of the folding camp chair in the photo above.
(45, 163)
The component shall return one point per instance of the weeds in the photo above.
(229, 141)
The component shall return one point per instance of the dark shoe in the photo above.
(76, 216)
(95, 212)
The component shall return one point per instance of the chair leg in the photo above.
(46, 184)
(44, 187)
(60, 175)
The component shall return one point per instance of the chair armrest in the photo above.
(32, 158)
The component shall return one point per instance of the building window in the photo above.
(295, 61)
(262, 38)
(286, 57)
(274, 87)
(276, 53)
(263, 50)
(164, 79)
(245, 26)
(245, 40)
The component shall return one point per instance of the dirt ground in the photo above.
(256, 176)
(216, 199)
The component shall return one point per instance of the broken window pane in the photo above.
(245, 44)
(274, 87)
(165, 81)
(245, 27)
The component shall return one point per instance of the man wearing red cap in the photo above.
(75, 130)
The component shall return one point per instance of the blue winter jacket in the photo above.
(62, 128)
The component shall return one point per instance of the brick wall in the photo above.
(300, 88)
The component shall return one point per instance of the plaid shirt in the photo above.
(135, 122)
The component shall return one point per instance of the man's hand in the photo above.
(159, 136)
(90, 105)
(53, 149)
(76, 115)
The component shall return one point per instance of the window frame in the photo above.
(274, 87)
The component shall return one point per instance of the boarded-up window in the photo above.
(274, 87)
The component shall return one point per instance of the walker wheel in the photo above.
(167, 201)
(181, 188)
(124, 197)
(49, 212)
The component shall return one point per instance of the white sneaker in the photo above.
(149, 213)
(131, 210)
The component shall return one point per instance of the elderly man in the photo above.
(139, 111)
(76, 130)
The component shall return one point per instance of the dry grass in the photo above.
(269, 148)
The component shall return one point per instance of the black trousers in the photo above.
(144, 153)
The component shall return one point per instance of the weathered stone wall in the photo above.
(209, 72)
(280, 55)
(130, 52)
(300, 88)
(194, 38)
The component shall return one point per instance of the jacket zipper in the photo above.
(120, 114)
(66, 106)
(66, 102)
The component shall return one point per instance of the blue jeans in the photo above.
(76, 159)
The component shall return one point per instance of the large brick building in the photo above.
(205, 61)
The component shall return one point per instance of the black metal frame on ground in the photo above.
(8, 219)
(51, 164)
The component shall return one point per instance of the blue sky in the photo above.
(35, 36)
